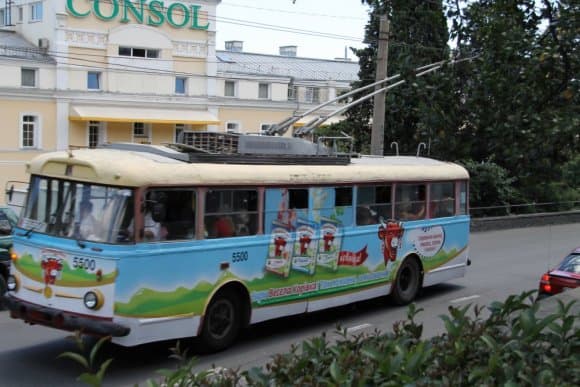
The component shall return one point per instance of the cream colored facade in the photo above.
(113, 57)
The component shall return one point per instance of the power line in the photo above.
(292, 12)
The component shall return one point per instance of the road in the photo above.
(503, 263)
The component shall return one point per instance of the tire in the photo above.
(407, 283)
(222, 322)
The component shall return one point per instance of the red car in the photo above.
(564, 276)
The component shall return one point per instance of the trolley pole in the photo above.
(378, 130)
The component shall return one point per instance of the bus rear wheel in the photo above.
(407, 283)
(222, 322)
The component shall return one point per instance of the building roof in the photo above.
(287, 66)
(13, 45)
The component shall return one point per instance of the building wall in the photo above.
(79, 45)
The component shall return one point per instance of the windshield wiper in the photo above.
(29, 231)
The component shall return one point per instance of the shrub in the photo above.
(513, 346)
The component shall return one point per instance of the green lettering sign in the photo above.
(138, 13)
(184, 13)
(195, 11)
(152, 12)
(99, 14)
(156, 10)
(71, 9)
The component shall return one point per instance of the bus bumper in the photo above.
(36, 314)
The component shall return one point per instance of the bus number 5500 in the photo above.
(239, 256)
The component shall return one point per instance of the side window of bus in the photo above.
(442, 200)
(169, 214)
(283, 207)
(343, 205)
(372, 204)
(230, 213)
(410, 201)
(463, 198)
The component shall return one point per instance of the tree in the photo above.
(520, 101)
(418, 36)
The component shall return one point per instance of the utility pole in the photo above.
(378, 131)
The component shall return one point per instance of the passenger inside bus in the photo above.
(365, 215)
(87, 224)
(223, 226)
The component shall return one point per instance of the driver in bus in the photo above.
(87, 225)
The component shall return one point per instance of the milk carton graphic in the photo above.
(305, 247)
(329, 244)
(279, 256)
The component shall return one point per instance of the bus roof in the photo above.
(135, 169)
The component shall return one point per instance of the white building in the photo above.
(77, 73)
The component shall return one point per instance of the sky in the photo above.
(258, 23)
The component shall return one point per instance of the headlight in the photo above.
(93, 300)
(12, 283)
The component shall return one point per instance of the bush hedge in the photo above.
(513, 345)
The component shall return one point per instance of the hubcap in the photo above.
(221, 318)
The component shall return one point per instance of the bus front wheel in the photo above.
(221, 323)
(407, 283)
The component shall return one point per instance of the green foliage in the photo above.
(184, 375)
(516, 103)
(490, 186)
(94, 373)
(540, 350)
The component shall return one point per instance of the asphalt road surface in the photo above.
(503, 263)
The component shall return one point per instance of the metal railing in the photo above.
(523, 209)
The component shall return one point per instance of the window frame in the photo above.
(100, 127)
(146, 131)
(148, 53)
(35, 77)
(183, 81)
(292, 94)
(238, 125)
(36, 131)
(261, 86)
(98, 75)
(34, 8)
(312, 94)
(234, 88)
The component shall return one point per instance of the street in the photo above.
(503, 263)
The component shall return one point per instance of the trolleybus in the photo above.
(147, 243)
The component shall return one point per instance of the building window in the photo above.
(139, 52)
(232, 127)
(230, 89)
(3, 15)
(29, 131)
(28, 77)
(20, 14)
(94, 80)
(264, 128)
(36, 12)
(292, 93)
(263, 91)
(180, 85)
(141, 131)
(183, 134)
(312, 95)
(94, 134)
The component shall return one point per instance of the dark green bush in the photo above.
(512, 346)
